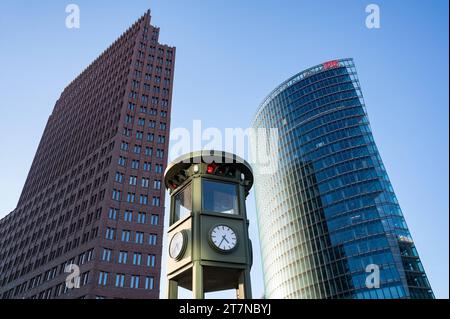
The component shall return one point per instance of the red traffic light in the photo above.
(211, 168)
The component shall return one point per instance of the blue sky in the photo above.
(230, 55)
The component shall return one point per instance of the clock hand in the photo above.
(221, 241)
(225, 238)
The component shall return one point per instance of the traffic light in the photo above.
(178, 179)
(221, 170)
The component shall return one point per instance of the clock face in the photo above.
(177, 246)
(223, 238)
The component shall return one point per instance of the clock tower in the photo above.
(209, 246)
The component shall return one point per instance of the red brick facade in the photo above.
(95, 187)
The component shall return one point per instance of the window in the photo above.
(122, 257)
(162, 126)
(107, 253)
(151, 261)
(133, 180)
(144, 183)
(137, 149)
(143, 199)
(126, 131)
(152, 239)
(150, 137)
(183, 203)
(116, 194)
(161, 139)
(135, 164)
(85, 278)
(128, 215)
(122, 161)
(158, 168)
(120, 280)
(128, 119)
(119, 177)
(141, 218)
(90, 254)
(147, 166)
(125, 235)
(139, 237)
(157, 184)
(133, 95)
(81, 258)
(156, 201)
(154, 220)
(159, 153)
(110, 233)
(130, 197)
(134, 283)
(135, 84)
(112, 213)
(166, 82)
(102, 278)
(124, 146)
(151, 124)
(148, 151)
(149, 282)
(219, 197)
(141, 121)
(137, 259)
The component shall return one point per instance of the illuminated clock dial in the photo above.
(177, 245)
(223, 238)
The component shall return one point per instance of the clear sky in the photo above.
(230, 55)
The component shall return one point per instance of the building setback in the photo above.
(328, 217)
(93, 196)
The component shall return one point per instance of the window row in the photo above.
(122, 257)
(134, 281)
(132, 198)
(126, 236)
(140, 217)
(144, 181)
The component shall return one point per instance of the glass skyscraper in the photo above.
(328, 217)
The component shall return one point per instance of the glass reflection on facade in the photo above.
(183, 203)
(329, 213)
(219, 197)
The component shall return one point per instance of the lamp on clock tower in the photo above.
(209, 246)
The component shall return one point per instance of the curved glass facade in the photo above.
(328, 218)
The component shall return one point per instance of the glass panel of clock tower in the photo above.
(183, 203)
(219, 197)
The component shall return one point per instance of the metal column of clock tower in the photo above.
(209, 246)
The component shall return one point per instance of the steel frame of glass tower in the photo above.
(329, 216)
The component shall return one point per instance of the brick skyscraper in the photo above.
(94, 196)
